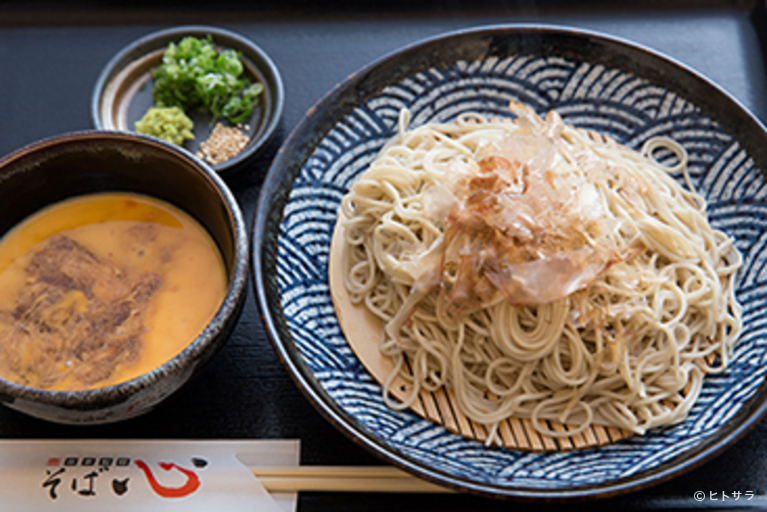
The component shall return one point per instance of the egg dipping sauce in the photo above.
(102, 288)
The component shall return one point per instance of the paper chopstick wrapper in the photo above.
(156, 475)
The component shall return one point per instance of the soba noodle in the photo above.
(541, 272)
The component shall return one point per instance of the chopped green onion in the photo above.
(194, 75)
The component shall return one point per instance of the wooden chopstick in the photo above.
(341, 479)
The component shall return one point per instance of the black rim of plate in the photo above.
(297, 147)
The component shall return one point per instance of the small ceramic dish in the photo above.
(52, 170)
(123, 91)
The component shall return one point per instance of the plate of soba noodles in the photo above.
(525, 262)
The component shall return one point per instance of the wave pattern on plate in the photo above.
(625, 107)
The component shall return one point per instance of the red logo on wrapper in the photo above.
(191, 485)
(59, 469)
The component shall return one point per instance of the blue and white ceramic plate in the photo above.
(595, 82)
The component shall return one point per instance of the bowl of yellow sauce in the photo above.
(123, 263)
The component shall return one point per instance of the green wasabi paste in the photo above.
(167, 123)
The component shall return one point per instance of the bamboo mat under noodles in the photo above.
(363, 330)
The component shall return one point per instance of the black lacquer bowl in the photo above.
(593, 81)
